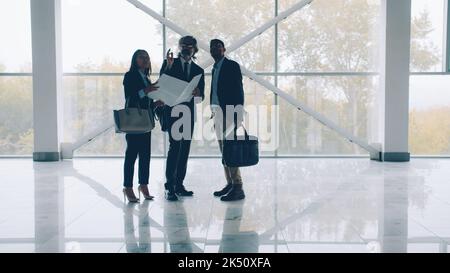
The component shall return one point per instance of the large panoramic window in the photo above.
(324, 55)
(16, 112)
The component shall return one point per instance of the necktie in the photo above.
(186, 72)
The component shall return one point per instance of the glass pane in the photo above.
(427, 31)
(261, 119)
(258, 55)
(15, 30)
(16, 116)
(348, 101)
(329, 35)
(105, 41)
(227, 21)
(429, 128)
(88, 104)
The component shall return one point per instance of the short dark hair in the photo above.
(216, 41)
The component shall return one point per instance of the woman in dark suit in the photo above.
(137, 85)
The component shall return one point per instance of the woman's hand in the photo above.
(151, 88)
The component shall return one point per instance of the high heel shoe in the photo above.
(147, 196)
(129, 194)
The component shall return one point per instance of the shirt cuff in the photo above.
(141, 93)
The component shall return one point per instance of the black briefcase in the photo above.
(240, 151)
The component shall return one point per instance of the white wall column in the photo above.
(394, 80)
(47, 77)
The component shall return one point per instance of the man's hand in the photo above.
(169, 58)
(151, 88)
(196, 92)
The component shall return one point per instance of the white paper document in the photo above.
(173, 91)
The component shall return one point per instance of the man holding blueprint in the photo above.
(181, 85)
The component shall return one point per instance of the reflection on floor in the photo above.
(292, 205)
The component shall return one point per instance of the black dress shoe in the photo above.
(236, 193)
(223, 191)
(181, 191)
(171, 196)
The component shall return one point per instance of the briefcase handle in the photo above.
(245, 131)
(127, 104)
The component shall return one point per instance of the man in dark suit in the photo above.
(227, 102)
(185, 69)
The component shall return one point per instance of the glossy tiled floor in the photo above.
(292, 205)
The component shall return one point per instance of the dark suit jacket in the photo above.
(176, 71)
(132, 83)
(230, 89)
